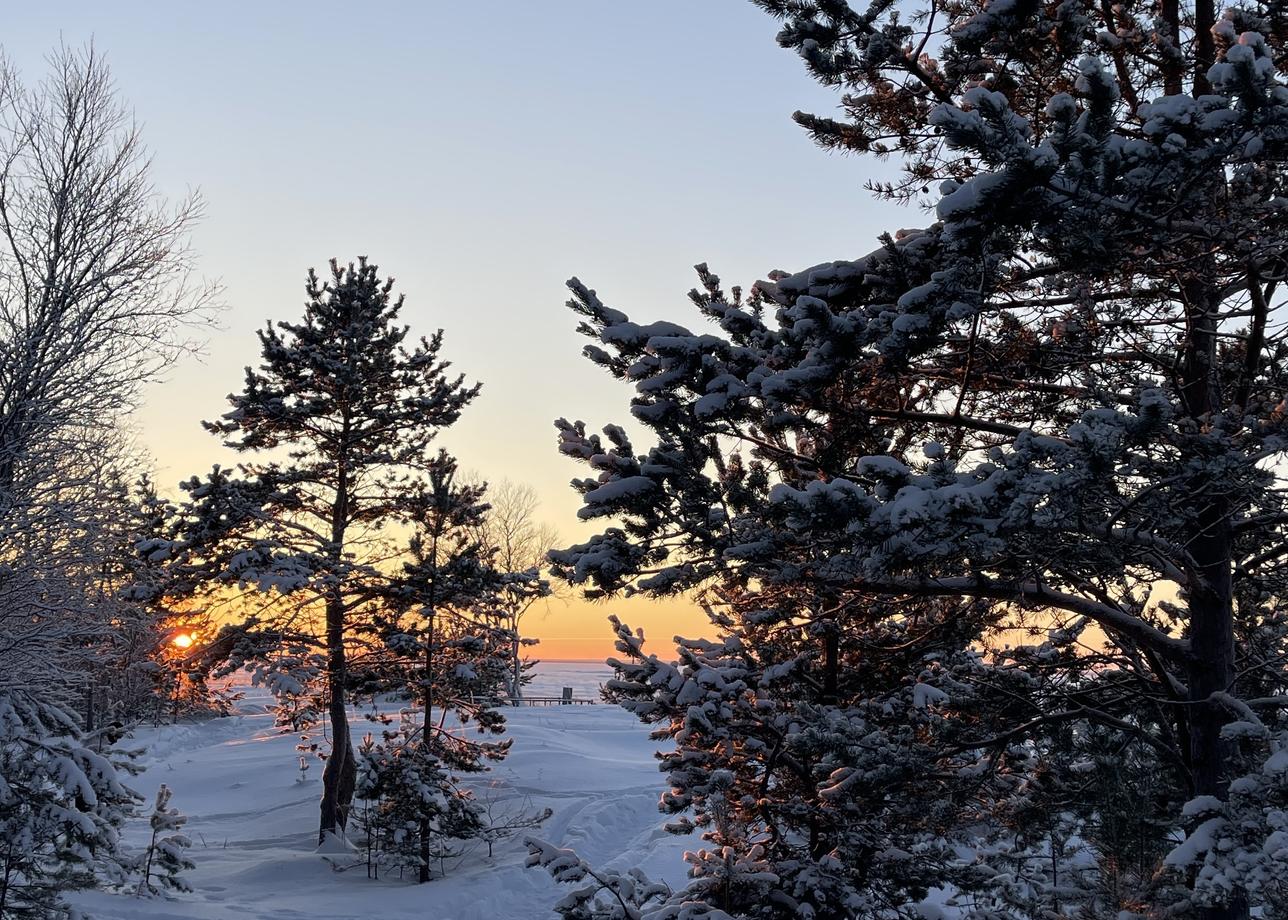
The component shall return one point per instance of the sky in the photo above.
(482, 154)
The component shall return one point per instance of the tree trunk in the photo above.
(1211, 602)
(831, 664)
(1211, 670)
(339, 776)
(516, 668)
(427, 700)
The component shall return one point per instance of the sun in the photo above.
(182, 640)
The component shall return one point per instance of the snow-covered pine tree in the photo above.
(130, 666)
(448, 633)
(414, 813)
(62, 805)
(989, 520)
(353, 405)
(163, 863)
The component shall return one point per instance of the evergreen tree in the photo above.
(450, 644)
(988, 520)
(166, 858)
(415, 811)
(62, 805)
(340, 415)
(131, 668)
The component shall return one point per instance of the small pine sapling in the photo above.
(166, 857)
(413, 810)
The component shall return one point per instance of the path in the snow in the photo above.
(253, 823)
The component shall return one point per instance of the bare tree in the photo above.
(97, 298)
(97, 284)
(520, 542)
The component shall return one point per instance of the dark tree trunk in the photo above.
(1211, 602)
(831, 664)
(340, 774)
(516, 667)
(428, 699)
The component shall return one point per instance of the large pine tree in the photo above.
(990, 520)
(339, 417)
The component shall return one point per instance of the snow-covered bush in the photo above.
(413, 814)
(602, 894)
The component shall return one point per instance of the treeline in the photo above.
(96, 301)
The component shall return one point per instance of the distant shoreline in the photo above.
(572, 660)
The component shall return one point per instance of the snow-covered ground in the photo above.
(253, 823)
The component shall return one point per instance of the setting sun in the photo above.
(183, 640)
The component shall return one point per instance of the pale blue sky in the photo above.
(481, 153)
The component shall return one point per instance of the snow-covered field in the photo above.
(253, 823)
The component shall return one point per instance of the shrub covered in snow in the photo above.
(62, 805)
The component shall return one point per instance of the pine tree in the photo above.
(988, 520)
(130, 666)
(449, 640)
(165, 858)
(349, 407)
(417, 813)
(62, 805)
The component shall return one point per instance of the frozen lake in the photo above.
(585, 678)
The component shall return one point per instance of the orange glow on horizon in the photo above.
(575, 629)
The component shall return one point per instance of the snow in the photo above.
(253, 824)
(924, 695)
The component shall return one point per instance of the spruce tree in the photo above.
(989, 520)
(339, 418)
